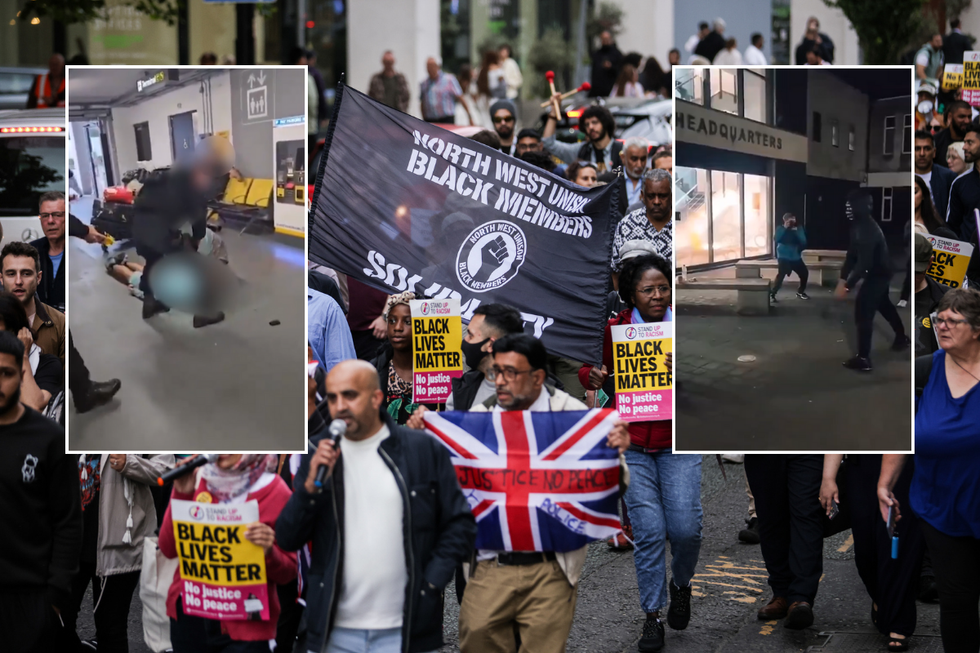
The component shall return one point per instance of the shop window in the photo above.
(754, 93)
(724, 90)
(907, 134)
(691, 238)
(888, 143)
(756, 232)
(689, 85)
(816, 127)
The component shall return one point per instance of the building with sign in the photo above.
(753, 144)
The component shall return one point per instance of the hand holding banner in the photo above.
(222, 574)
(951, 258)
(437, 337)
(644, 385)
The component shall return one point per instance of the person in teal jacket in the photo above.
(790, 243)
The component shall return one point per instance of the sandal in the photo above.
(898, 644)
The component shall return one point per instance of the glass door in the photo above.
(691, 237)
(726, 217)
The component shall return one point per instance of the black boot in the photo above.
(99, 394)
(152, 306)
(750, 534)
(205, 320)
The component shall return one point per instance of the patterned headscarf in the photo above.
(395, 300)
(227, 484)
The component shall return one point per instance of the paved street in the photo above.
(730, 586)
(794, 395)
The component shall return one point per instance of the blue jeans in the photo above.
(350, 640)
(664, 502)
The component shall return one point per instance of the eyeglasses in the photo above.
(508, 373)
(498, 120)
(948, 322)
(60, 214)
(654, 291)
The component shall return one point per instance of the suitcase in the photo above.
(116, 220)
(119, 194)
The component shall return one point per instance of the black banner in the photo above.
(403, 205)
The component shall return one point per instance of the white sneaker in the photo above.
(737, 458)
(902, 303)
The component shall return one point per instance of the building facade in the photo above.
(753, 145)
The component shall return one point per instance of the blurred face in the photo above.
(960, 119)
(20, 277)
(10, 377)
(652, 295)
(432, 68)
(56, 65)
(656, 199)
(400, 328)
(593, 129)
(517, 386)
(53, 220)
(665, 163)
(924, 152)
(759, 43)
(971, 147)
(228, 460)
(937, 41)
(674, 58)
(504, 53)
(813, 25)
(635, 161)
(812, 58)
(955, 163)
(352, 398)
(503, 123)
(954, 332)
(585, 177)
(528, 144)
(388, 61)
(606, 38)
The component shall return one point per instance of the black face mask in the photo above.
(473, 353)
(858, 208)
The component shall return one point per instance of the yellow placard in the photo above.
(280, 191)
(644, 383)
(971, 78)
(950, 260)
(437, 337)
(953, 76)
(218, 554)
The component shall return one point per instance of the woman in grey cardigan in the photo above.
(117, 513)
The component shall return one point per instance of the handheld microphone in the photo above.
(196, 461)
(337, 429)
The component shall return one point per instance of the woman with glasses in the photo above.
(664, 496)
(945, 489)
(395, 363)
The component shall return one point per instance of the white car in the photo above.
(650, 120)
(32, 161)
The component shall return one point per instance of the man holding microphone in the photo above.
(392, 493)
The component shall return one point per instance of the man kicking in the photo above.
(790, 243)
(868, 260)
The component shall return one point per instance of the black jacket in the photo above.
(868, 254)
(964, 196)
(164, 204)
(604, 78)
(954, 45)
(710, 46)
(51, 290)
(939, 185)
(439, 532)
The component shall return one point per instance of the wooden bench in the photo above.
(753, 294)
(822, 273)
(824, 255)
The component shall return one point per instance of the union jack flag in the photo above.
(542, 481)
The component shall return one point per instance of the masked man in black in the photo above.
(868, 259)
(171, 199)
